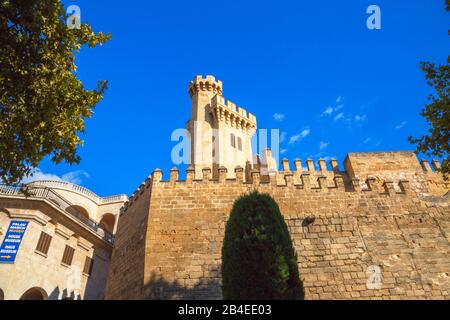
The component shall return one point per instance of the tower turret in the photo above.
(220, 131)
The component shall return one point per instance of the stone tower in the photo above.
(220, 131)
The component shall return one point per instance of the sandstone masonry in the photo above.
(384, 212)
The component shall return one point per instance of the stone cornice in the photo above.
(27, 216)
(42, 221)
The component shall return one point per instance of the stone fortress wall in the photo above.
(385, 211)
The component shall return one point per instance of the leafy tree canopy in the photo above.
(42, 103)
(437, 113)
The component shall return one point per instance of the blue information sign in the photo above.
(12, 240)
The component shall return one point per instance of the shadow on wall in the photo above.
(160, 289)
(98, 273)
(66, 295)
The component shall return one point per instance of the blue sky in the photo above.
(309, 68)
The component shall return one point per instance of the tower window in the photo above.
(233, 140)
(239, 143)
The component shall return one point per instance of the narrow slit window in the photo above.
(239, 143)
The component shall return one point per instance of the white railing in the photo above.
(79, 189)
(47, 193)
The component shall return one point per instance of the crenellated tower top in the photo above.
(236, 117)
(209, 83)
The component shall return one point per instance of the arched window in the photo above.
(107, 222)
(239, 143)
(79, 212)
(2, 295)
(233, 140)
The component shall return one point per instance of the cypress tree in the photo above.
(258, 259)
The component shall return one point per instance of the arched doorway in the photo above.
(79, 212)
(107, 222)
(34, 294)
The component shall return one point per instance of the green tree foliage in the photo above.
(258, 259)
(42, 103)
(437, 113)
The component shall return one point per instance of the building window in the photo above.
(88, 265)
(68, 255)
(233, 141)
(239, 143)
(44, 243)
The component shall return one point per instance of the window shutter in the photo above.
(44, 243)
(88, 265)
(68, 255)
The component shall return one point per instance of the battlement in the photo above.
(253, 176)
(318, 177)
(226, 111)
(310, 181)
(209, 83)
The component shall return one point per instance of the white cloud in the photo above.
(283, 151)
(328, 158)
(367, 140)
(294, 139)
(75, 177)
(360, 118)
(305, 132)
(323, 145)
(283, 136)
(400, 125)
(328, 111)
(339, 107)
(339, 116)
(278, 117)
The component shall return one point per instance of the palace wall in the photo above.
(384, 210)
